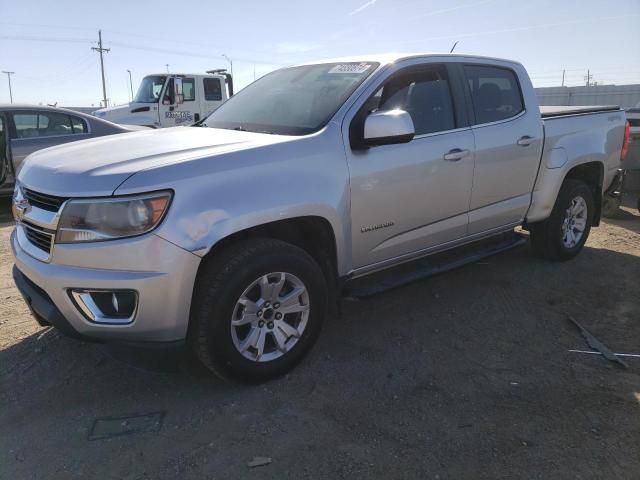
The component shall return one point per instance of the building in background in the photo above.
(625, 96)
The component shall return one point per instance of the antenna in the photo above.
(454, 47)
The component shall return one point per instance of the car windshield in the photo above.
(150, 89)
(291, 101)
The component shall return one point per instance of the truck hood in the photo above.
(96, 167)
(145, 114)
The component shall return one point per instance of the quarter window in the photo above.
(78, 125)
(495, 93)
(47, 124)
(425, 95)
(212, 89)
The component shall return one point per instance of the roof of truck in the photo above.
(387, 58)
(164, 74)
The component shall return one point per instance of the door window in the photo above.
(47, 124)
(212, 89)
(495, 93)
(189, 89)
(424, 94)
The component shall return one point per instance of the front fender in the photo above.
(218, 196)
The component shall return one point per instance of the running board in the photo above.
(407, 273)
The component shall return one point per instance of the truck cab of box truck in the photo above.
(170, 100)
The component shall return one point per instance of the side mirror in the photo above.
(388, 127)
(178, 95)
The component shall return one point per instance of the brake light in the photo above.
(625, 141)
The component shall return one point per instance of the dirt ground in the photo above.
(463, 375)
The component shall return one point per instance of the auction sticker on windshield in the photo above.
(350, 68)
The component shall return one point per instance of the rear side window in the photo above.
(47, 124)
(212, 89)
(495, 93)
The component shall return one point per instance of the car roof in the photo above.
(4, 107)
(27, 106)
(388, 58)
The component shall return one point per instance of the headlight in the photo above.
(98, 219)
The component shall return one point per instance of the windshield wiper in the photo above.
(240, 129)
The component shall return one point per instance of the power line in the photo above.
(9, 78)
(100, 50)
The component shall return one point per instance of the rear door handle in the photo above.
(525, 141)
(455, 155)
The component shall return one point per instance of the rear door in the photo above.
(37, 129)
(508, 138)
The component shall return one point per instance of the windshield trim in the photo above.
(290, 130)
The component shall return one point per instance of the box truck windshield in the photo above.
(150, 89)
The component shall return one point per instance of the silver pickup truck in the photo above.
(236, 234)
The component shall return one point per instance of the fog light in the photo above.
(106, 306)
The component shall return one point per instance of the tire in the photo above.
(226, 291)
(548, 238)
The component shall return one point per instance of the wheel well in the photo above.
(592, 174)
(313, 234)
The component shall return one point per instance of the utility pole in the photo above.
(9, 78)
(563, 78)
(130, 84)
(230, 63)
(100, 50)
(588, 78)
(167, 65)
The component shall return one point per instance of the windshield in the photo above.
(291, 101)
(150, 88)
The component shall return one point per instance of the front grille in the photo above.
(38, 237)
(44, 201)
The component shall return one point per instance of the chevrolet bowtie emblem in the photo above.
(21, 205)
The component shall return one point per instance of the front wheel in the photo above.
(563, 235)
(258, 309)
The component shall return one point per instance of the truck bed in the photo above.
(561, 110)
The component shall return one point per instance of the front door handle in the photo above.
(525, 141)
(455, 155)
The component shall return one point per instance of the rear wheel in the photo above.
(563, 235)
(258, 309)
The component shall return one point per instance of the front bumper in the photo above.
(161, 273)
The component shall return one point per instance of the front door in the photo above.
(174, 114)
(412, 196)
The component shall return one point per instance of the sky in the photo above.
(48, 43)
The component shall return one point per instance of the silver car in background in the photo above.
(27, 128)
